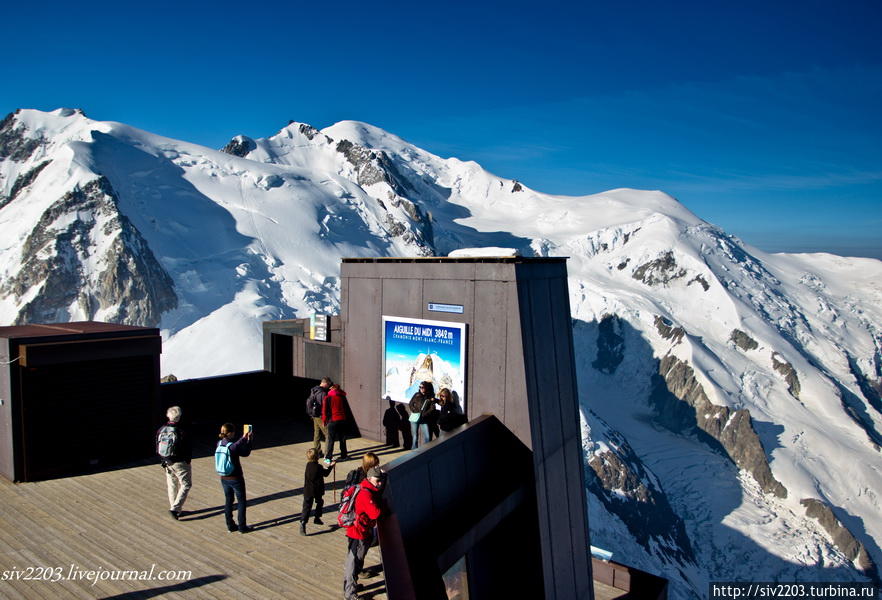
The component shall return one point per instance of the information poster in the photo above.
(416, 350)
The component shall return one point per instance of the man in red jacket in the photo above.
(361, 532)
(335, 413)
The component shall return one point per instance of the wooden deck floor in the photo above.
(117, 521)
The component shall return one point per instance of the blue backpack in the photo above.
(223, 462)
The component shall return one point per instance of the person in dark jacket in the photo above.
(314, 488)
(335, 414)
(234, 484)
(392, 424)
(450, 416)
(421, 403)
(314, 404)
(175, 451)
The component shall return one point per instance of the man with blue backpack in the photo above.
(175, 452)
(228, 466)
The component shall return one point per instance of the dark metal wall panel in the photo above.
(487, 394)
(415, 507)
(548, 354)
(401, 298)
(117, 400)
(494, 272)
(322, 360)
(49, 351)
(457, 498)
(361, 354)
(409, 270)
(449, 291)
(517, 407)
(570, 421)
(578, 527)
(7, 451)
(529, 333)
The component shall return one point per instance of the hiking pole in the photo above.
(335, 482)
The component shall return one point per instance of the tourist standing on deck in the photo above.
(450, 416)
(335, 414)
(314, 404)
(175, 450)
(420, 405)
(229, 467)
(313, 488)
(361, 533)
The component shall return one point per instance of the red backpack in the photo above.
(346, 517)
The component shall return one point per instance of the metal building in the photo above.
(511, 316)
(75, 397)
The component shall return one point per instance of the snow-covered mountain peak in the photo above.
(731, 397)
(366, 135)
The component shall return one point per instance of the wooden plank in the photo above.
(118, 520)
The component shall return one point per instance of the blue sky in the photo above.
(761, 117)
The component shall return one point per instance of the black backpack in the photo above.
(314, 404)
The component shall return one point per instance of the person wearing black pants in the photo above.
(335, 414)
(313, 488)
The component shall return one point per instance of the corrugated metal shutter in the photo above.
(85, 414)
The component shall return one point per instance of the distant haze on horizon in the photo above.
(762, 118)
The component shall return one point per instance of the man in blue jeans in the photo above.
(234, 483)
(421, 404)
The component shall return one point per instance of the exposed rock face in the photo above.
(662, 270)
(743, 341)
(786, 369)
(667, 330)
(85, 226)
(23, 181)
(701, 281)
(682, 405)
(610, 345)
(239, 146)
(843, 539)
(869, 388)
(621, 482)
(374, 167)
(309, 132)
(14, 144)
(516, 187)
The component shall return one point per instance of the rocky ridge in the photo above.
(57, 283)
(632, 274)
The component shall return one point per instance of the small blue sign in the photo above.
(448, 308)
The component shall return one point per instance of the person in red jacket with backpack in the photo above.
(335, 414)
(361, 533)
